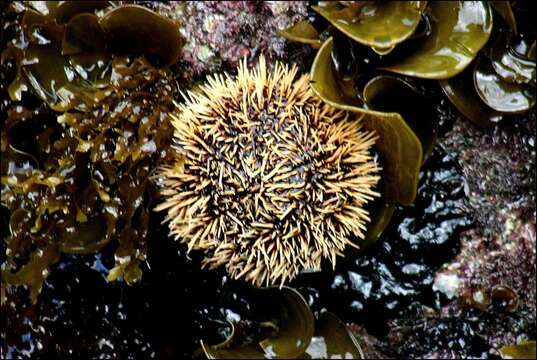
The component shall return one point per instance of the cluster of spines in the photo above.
(268, 179)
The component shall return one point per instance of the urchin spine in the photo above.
(268, 179)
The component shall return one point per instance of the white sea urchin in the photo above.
(267, 179)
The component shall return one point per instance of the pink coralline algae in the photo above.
(507, 259)
(220, 33)
(499, 168)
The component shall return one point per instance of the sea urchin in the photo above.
(267, 179)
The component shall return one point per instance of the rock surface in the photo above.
(499, 250)
(220, 33)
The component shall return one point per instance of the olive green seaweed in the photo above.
(459, 30)
(378, 24)
(333, 340)
(75, 173)
(289, 332)
(462, 94)
(294, 330)
(398, 146)
(523, 350)
(511, 66)
(392, 94)
(499, 94)
(450, 41)
(302, 32)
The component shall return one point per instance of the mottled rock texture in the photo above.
(499, 171)
(220, 33)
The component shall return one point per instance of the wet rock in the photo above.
(499, 250)
(220, 33)
(372, 347)
(456, 334)
(499, 169)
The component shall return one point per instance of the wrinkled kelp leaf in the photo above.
(378, 24)
(133, 29)
(532, 51)
(67, 10)
(40, 29)
(294, 326)
(63, 11)
(303, 32)
(459, 30)
(94, 70)
(61, 82)
(461, 92)
(83, 34)
(332, 340)
(92, 184)
(18, 85)
(524, 350)
(510, 65)
(70, 78)
(46, 8)
(398, 146)
(47, 71)
(391, 94)
(498, 94)
(87, 236)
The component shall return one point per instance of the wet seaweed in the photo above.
(76, 166)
